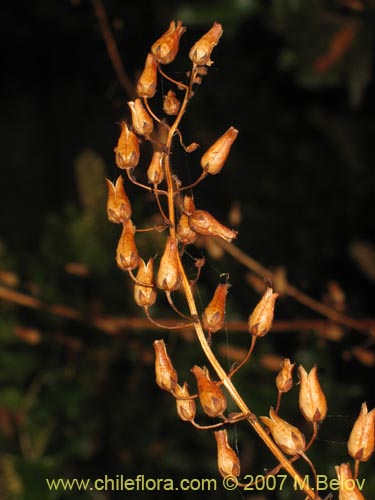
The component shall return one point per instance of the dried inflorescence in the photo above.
(184, 225)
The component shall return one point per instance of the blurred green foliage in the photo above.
(294, 77)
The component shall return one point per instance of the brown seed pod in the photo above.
(312, 401)
(213, 316)
(171, 105)
(284, 379)
(166, 47)
(118, 204)
(127, 257)
(127, 149)
(145, 296)
(168, 277)
(214, 158)
(204, 223)
(348, 489)
(155, 171)
(142, 121)
(146, 86)
(212, 398)
(289, 438)
(166, 375)
(260, 320)
(186, 408)
(201, 51)
(227, 460)
(361, 441)
(184, 232)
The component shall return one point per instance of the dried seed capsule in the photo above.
(227, 460)
(214, 158)
(166, 375)
(361, 441)
(142, 121)
(289, 438)
(168, 277)
(184, 232)
(204, 223)
(189, 206)
(212, 398)
(118, 204)
(171, 105)
(166, 47)
(312, 402)
(186, 408)
(127, 149)
(145, 296)
(284, 379)
(127, 257)
(146, 86)
(214, 315)
(260, 320)
(201, 51)
(348, 489)
(155, 172)
(192, 147)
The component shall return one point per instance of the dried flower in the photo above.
(166, 47)
(312, 402)
(127, 257)
(284, 379)
(212, 398)
(227, 460)
(127, 149)
(168, 277)
(145, 296)
(171, 105)
(214, 315)
(214, 158)
(155, 172)
(201, 51)
(289, 438)
(146, 86)
(142, 121)
(184, 232)
(361, 441)
(204, 223)
(348, 489)
(186, 408)
(118, 204)
(166, 375)
(260, 320)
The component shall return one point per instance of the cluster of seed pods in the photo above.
(185, 226)
(183, 229)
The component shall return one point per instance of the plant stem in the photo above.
(221, 373)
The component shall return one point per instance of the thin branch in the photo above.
(112, 49)
(114, 325)
(292, 291)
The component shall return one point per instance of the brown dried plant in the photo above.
(183, 223)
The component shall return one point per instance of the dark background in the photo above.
(296, 79)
